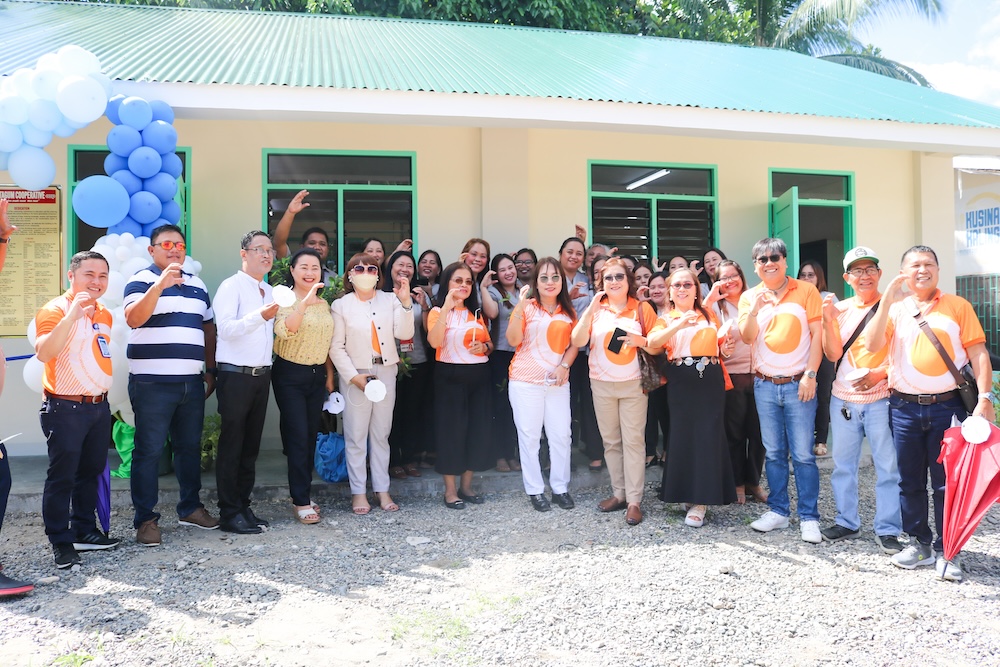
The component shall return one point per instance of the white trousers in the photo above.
(366, 430)
(534, 406)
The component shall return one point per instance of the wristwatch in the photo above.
(564, 365)
(4, 240)
(810, 374)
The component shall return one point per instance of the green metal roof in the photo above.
(170, 45)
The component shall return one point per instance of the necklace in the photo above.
(783, 285)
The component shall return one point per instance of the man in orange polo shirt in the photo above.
(924, 395)
(74, 342)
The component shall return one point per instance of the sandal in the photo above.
(360, 510)
(307, 514)
(397, 472)
(757, 493)
(412, 470)
(515, 465)
(820, 449)
(696, 516)
(502, 465)
(741, 495)
(595, 466)
(389, 506)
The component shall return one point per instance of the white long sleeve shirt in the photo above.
(245, 338)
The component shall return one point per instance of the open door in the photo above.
(785, 225)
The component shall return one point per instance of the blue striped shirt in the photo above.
(170, 346)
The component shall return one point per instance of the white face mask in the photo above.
(364, 281)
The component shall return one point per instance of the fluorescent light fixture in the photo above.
(647, 179)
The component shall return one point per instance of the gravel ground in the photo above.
(497, 584)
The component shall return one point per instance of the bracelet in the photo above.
(752, 314)
(407, 309)
(986, 396)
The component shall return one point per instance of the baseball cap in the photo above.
(855, 254)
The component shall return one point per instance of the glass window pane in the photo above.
(811, 186)
(651, 180)
(386, 216)
(683, 228)
(339, 169)
(321, 212)
(622, 223)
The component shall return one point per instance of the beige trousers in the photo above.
(621, 418)
(366, 431)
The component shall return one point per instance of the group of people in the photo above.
(510, 359)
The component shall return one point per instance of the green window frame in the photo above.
(347, 233)
(73, 236)
(672, 224)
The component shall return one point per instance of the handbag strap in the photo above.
(857, 333)
(926, 328)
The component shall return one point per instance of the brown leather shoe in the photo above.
(633, 516)
(612, 504)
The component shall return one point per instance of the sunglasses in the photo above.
(361, 268)
(462, 281)
(774, 259)
(554, 278)
(170, 245)
(687, 285)
(614, 278)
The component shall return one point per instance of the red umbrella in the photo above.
(972, 480)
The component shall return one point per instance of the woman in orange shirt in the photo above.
(697, 471)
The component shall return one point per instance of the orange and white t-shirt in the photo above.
(83, 366)
(915, 367)
(783, 339)
(850, 313)
(605, 365)
(699, 340)
(462, 328)
(546, 338)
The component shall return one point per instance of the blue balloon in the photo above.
(160, 136)
(112, 110)
(113, 163)
(129, 181)
(100, 201)
(172, 165)
(144, 207)
(44, 114)
(144, 162)
(162, 111)
(35, 137)
(122, 140)
(147, 229)
(171, 212)
(10, 137)
(31, 168)
(163, 185)
(4, 159)
(135, 112)
(64, 130)
(127, 225)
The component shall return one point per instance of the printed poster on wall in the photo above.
(977, 224)
(32, 274)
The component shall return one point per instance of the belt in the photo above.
(79, 398)
(691, 361)
(377, 360)
(926, 399)
(779, 379)
(255, 371)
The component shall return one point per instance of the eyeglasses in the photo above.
(867, 271)
(462, 281)
(774, 259)
(524, 262)
(554, 278)
(170, 245)
(614, 278)
(361, 268)
(729, 279)
(687, 285)
(266, 252)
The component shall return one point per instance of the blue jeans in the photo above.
(786, 427)
(917, 431)
(176, 409)
(871, 419)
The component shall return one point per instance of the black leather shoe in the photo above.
(470, 497)
(253, 518)
(240, 524)
(540, 503)
(563, 500)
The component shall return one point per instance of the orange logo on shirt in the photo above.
(474, 334)
(784, 333)
(704, 343)
(925, 358)
(558, 335)
(623, 358)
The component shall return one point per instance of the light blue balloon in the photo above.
(145, 207)
(35, 137)
(171, 212)
(100, 201)
(10, 137)
(122, 140)
(147, 230)
(112, 110)
(135, 112)
(4, 158)
(129, 181)
(44, 114)
(64, 130)
(113, 163)
(160, 136)
(31, 168)
(144, 162)
(172, 165)
(127, 225)
(163, 185)
(162, 111)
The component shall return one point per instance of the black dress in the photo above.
(697, 469)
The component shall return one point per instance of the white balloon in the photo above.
(126, 239)
(283, 296)
(102, 241)
(81, 99)
(197, 267)
(77, 60)
(48, 61)
(31, 332)
(13, 109)
(33, 371)
(119, 376)
(112, 239)
(123, 253)
(120, 330)
(45, 83)
(45, 115)
(20, 82)
(108, 253)
(188, 264)
(116, 289)
(127, 415)
(141, 246)
(105, 83)
(134, 266)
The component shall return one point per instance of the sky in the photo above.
(959, 54)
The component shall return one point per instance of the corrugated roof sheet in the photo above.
(170, 45)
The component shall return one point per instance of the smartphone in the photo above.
(615, 345)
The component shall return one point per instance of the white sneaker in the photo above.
(810, 532)
(769, 521)
(949, 570)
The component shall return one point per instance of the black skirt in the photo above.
(697, 469)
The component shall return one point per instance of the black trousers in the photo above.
(657, 419)
(503, 432)
(462, 418)
(243, 406)
(746, 449)
(411, 416)
(78, 435)
(824, 390)
(581, 401)
(299, 391)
